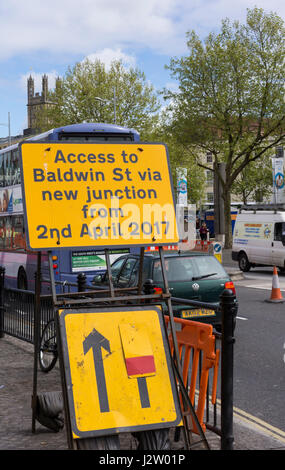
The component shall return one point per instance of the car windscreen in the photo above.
(189, 268)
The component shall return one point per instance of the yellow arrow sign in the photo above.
(81, 195)
(118, 371)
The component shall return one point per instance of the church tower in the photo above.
(36, 102)
(45, 88)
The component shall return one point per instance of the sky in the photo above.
(46, 37)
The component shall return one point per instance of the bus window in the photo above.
(18, 233)
(2, 234)
(15, 167)
(2, 170)
(7, 169)
(8, 232)
(111, 138)
(100, 137)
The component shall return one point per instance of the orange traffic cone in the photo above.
(276, 295)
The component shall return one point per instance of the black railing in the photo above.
(18, 313)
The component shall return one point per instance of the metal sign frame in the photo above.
(119, 297)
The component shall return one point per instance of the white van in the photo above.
(259, 239)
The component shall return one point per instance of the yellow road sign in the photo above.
(81, 195)
(117, 371)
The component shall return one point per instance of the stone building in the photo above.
(36, 102)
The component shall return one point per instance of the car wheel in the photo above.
(243, 262)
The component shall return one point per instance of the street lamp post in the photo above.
(114, 101)
(9, 127)
(109, 101)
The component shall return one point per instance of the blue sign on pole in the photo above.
(182, 186)
(279, 180)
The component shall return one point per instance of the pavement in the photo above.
(16, 386)
(231, 266)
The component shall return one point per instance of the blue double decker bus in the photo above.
(18, 261)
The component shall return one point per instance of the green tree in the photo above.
(255, 181)
(75, 97)
(230, 100)
(181, 156)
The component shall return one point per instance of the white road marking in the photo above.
(263, 287)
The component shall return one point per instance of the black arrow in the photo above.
(96, 341)
(143, 391)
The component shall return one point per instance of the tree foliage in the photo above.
(255, 181)
(181, 157)
(75, 97)
(230, 100)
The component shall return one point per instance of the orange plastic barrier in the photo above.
(165, 247)
(196, 339)
(202, 245)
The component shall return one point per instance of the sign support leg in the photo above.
(141, 271)
(70, 440)
(51, 273)
(37, 318)
(59, 347)
(108, 263)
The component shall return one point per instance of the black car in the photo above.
(190, 275)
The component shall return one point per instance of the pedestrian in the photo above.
(203, 231)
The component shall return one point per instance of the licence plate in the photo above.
(198, 312)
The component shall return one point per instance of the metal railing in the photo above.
(18, 313)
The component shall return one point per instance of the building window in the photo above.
(209, 176)
(209, 157)
(210, 197)
(279, 152)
